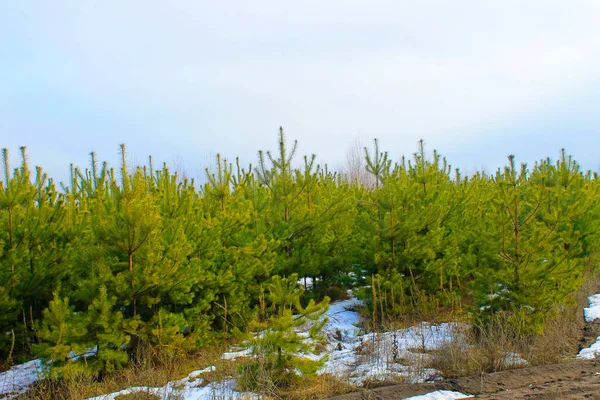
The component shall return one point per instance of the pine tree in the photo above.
(62, 333)
(539, 252)
(278, 344)
(106, 334)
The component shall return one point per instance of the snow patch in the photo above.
(593, 311)
(233, 355)
(360, 357)
(399, 355)
(18, 379)
(514, 359)
(188, 388)
(591, 352)
(92, 351)
(441, 395)
(307, 282)
(590, 314)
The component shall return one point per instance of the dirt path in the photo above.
(574, 380)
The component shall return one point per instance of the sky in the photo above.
(185, 80)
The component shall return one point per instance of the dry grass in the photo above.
(478, 350)
(559, 340)
(483, 349)
(424, 308)
(150, 370)
(317, 387)
(138, 396)
(260, 377)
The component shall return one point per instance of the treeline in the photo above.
(116, 259)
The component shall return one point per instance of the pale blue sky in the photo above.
(183, 80)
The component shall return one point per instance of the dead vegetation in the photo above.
(151, 369)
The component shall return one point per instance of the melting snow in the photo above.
(514, 360)
(397, 355)
(440, 395)
(17, 379)
(188, 388)
(591, 352)
(593, 311)
(232, 355)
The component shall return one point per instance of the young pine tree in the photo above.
(281, 343)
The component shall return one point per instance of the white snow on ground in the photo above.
(591, 352)
(399, 355)
(188, 388)
(514, 360)
(593, 311)
(232, 355)
(440, 395)
(17, 379)
(20, 377)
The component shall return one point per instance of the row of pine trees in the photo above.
(94, 268)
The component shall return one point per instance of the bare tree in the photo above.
(178, 166)
(355, 168)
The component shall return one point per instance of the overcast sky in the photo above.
(183, 80)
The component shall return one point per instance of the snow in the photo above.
(188, 388)
(591, 352)
(513, 360)
(306, 283)
(343, 318)
(359, 357)
(232, 355)
(440, 395)
(18, 379)
(593, 311)
(398, 355)
(92, 351)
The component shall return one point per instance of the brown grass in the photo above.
(559, 340)
(150, 370)
(317, 387)
(138, 396)
(479, 350)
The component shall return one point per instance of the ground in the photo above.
(574, 380)
(579, 379)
